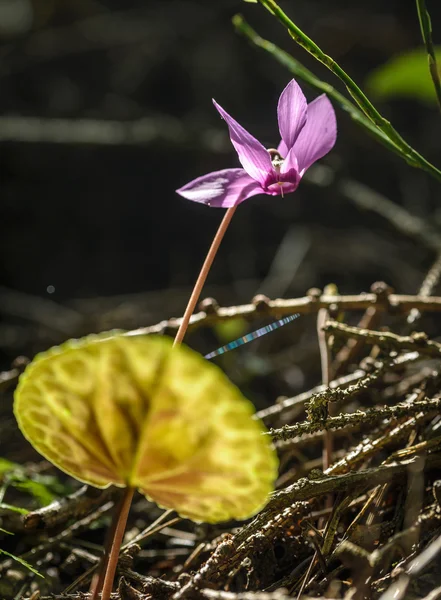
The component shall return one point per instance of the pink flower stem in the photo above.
(119, 527)
(107, 571)
(203, 275)
(98, 577)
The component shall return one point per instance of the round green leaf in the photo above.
(133, 411)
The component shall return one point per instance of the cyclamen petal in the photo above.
(253, 156)
(308, 132)
(290, 164)
(224, 189)
(318, 135)
(282, 148)
(291, 113)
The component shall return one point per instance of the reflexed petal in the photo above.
(319, 134)
(290, 167)
(253, 156)
(225, 188)
(291, 113)
(282, 149)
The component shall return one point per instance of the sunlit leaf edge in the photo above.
(97, 338)
(51, 352)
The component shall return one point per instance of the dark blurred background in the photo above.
(105, 109)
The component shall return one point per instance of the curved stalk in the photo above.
(203, 275)
(119, 529)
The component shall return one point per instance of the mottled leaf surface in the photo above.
(133, 411)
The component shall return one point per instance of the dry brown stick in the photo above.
(369, 448)
(361, 513)
(435, 594)
(414, 500)
(77, 596)
(432, 278)
(151, 529)
(328, 441)
(420, 563)
(332, 526)
(346, 355)
(230, 552)
(290, 500)
(7, 378)
(75, 505)
(365, 451)
(309, 439)
(364, 417)
(277, 409)
(398, 304)
(369, 320)
(413, 569)
(221, 595)
(52, 542)
(430, 282)
(328, 537)
(165, 589)
(386, 340)
(318, 406)
(325, 357)
(325, 361)
(329, 533)
(401, 304)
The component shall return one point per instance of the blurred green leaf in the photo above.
(404, 76)
(7, 465)
(230, 330)
(44, 488)
(38, 490)
(22, 562)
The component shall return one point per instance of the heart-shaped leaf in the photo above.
(133, 411)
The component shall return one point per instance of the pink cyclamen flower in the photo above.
(308, 132)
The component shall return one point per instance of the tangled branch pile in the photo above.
(367, 525)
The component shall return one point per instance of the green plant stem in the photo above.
(300, 71)
(203, 275)
(360, 98)
(426, 32)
